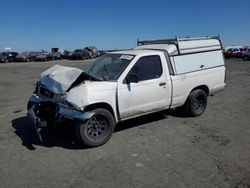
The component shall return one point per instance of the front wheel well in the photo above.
(100, 105)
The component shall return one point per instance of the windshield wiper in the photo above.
(95, 78)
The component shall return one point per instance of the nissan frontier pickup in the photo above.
(155, 76)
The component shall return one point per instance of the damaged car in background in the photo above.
(155, 76)
(27, 56)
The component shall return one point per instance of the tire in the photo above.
(97, 130)
(196, 103)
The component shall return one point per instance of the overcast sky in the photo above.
(114, 24)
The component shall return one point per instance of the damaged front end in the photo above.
(43, 112)
(48, 105)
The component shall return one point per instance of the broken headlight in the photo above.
(43, 91)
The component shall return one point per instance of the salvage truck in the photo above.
(155, 76)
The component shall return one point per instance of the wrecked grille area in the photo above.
(46, 111)
(44, 92)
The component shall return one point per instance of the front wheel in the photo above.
(97, 130)
(196, 103)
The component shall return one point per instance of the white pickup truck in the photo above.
(154, 76)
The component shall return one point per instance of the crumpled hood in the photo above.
(59, 78)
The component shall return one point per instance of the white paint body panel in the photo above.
(145, 96)
(92, 92)
(171, 49)
(183, 84)
(199, 45)
(198, 61)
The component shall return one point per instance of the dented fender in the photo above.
(74, 114)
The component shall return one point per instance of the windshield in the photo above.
(109, 66)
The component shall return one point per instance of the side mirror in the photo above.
(132, 78)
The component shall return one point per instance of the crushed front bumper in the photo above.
(61, 112)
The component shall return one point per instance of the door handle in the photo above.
(202, 66)
(162, 84)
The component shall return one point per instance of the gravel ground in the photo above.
(158, 150)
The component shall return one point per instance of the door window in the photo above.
(147, 68)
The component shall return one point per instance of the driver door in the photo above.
(150, 92)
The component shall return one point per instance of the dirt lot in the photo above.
(159, 150)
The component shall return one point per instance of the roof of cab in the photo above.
(170, 48)
(133, 51)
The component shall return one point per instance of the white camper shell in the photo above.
(189, 54)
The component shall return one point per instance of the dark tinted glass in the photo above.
(147, 68)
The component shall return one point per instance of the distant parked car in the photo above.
(67, 54)
(235, 52)
(57, 53)
(81, 54)
(8, 57)
(27, 56)
(43, 56)
(246, 55)
(3, 58)
(93, 50)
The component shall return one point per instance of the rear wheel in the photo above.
(97, 130)
(196, 103)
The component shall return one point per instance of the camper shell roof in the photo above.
(180, 46)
